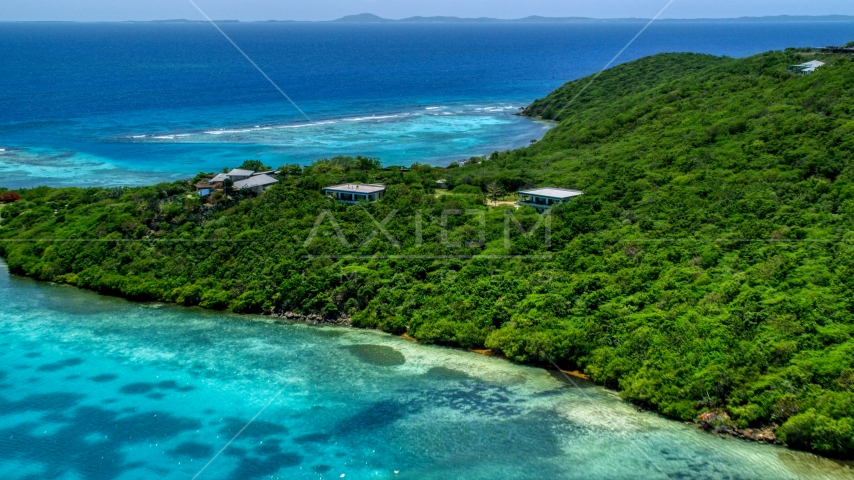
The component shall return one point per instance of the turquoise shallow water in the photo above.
(151, 151)
(99, 388)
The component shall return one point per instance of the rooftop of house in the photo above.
(240, 173)
(255, 181)
(220, 177)
(561, 193)
(364, 188)
(811, 64)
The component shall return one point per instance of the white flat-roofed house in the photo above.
(238, 174)
(806, 68)
(543, 198)
(356, 192)
(256, 183)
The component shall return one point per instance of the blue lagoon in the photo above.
(100, 388)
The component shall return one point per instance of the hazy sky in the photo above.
(108, 10)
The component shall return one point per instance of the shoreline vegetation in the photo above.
(716, 422)
(706, 272)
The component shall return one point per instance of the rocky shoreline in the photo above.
(720, 423)
(315, 319)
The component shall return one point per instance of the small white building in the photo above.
(806, 68)
(355, 192)
(543, 198)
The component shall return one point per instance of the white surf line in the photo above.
(238, 433)
(608, 65)
(250, 61)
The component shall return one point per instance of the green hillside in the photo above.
(708, 266)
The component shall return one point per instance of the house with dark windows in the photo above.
(355, 192)
(543, 198)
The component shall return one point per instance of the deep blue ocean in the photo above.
(94, 387)
(134, 103)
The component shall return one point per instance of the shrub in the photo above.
(818, 432)
(9, 197)
(467, 189)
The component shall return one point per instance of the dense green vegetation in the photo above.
(709, 265)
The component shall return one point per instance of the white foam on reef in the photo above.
(425, 133)
(493, 109)
(373, 117)
(223, 132)
(314, 124)
(170, 136)
(429, 111)
(304, 125)
(257, 128)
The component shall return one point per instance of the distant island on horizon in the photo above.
(369, 18)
